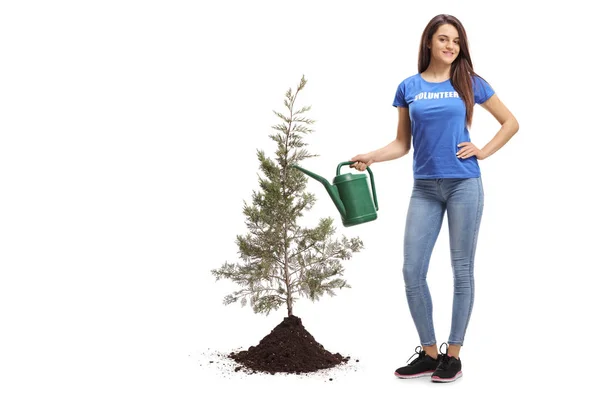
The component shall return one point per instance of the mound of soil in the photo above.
(288, 348)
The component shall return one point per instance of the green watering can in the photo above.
(350, 194)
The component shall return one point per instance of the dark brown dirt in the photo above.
(289, 348)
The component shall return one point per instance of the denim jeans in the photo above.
(462, 199)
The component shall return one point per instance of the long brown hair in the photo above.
(461, 70)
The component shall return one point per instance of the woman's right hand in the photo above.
(362, 161)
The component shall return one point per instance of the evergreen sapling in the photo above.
(280, 260)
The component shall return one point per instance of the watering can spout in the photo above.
(331, 190)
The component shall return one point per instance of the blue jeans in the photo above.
(431, 198)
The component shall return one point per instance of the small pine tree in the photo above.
(281, 260)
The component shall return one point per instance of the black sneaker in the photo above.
(423, 365)
(448, 369)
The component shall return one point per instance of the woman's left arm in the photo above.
(509, 127)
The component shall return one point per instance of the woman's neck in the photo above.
(436, 72)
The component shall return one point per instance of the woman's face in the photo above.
(445, 44)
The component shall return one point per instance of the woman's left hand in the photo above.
(468, 149)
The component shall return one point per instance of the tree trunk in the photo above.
(288, 289)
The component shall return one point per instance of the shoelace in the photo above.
(418, 352)
(444, 357)
(444, 362)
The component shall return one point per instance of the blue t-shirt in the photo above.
(438, 125)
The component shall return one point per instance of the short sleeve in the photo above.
(399, 99)
(482, 90)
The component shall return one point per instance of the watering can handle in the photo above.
(370, 174)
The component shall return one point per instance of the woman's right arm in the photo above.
(396, 149)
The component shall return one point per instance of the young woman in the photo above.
(435, 107)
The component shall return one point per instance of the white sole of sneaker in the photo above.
(422, 374)
(436, 379)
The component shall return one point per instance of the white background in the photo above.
(128, 133)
